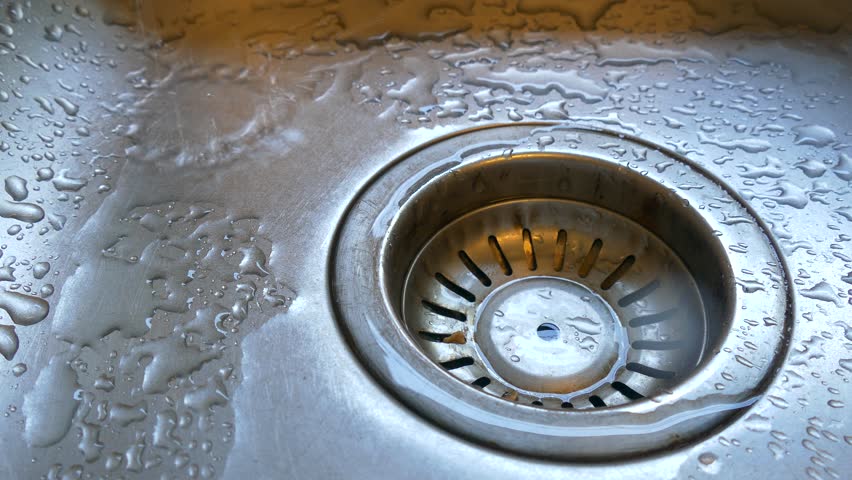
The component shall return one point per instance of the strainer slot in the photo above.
(481, 382)
(434, 337)
(559, 253)
(474, 269)
(458, 363)
(499, 256)
(619, 272)
(657, 345)
(625, 390)
(529, 251)
(650, 371)
(590, 258)
(652, 318)
(639, 294)
(455, 288)
(444, 311)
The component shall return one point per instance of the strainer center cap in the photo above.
(549, 335)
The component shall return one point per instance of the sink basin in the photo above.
(425, 239)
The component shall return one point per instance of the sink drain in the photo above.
(558, 301)
(538, 300)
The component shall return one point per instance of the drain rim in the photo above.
(373, 332)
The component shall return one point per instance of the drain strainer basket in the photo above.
(560, 292)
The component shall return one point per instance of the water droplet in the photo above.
(70, 108)
(815, 135)
(544, 141)
(23, 309)
(49, 407)
(65, 183)
(821, 291)
(749, 145)
(744, 361)
(53, 33)
(843, 168)
(40, 269)
(44, 174)
(777, 450)
(25, 212)
(19, 369)
(8, 341)
(778, 402)
(757, 423)
(46, 290)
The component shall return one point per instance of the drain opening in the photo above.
(562, 282)
(548, 332)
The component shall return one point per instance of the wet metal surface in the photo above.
(174, 174)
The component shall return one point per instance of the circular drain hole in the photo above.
(543, 301)
(547, 332)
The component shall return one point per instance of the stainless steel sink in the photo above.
(426, 239)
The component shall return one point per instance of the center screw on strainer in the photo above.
(562, 303)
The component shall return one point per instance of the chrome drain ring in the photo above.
(461, 219)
